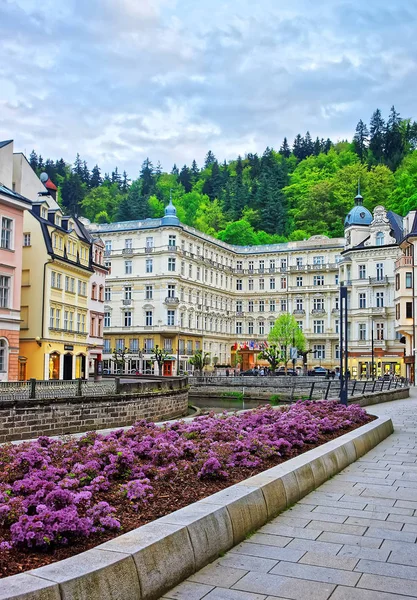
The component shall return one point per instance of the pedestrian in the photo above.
(227, 373)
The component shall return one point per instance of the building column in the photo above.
(46, 367)
(61, 367)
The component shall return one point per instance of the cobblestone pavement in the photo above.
(354, 538)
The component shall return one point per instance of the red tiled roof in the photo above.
(50, 185)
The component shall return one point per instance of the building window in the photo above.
(250, 306)
(380, 299)
(318, 260)
(397, 311)
(171, 290)
(299, 325)
(336, 326)
(408, 280)
(107, 294)
(120, 344)
(93, 291)
(6, 233)
(284, 305)
(128, 267)
(239, 265)
(148, 344)
(128, 318)
(107, 347)
(239, 285)
(107, 246)
(379, 238)
(3, 356)
(250, 285)
(283, 283)
(171, 264)
(397, 281)
(336, 279)
(149, 265)
(261, 266)
(239, 306)
(362, 271)
(362, 332)
(318, 326)
(148, 318)
(272, 266)
(261, 305)
(71, 321)
(168, 344)
(380, 331)
(299, 261)
(172, 241)
(299, 304)
(408, 310)
(198, 274)
(337, 352)
(51, 317)
(170, 317)
(250, 328)
(318, 280)
(148, 292)
(250, 266)
(319, 351)
(299, 282)
(261, 327)
(239, 327)
(149, 242)
(318, 303)
(272, 306)
(362, 300)
(107, 319)
(189, 347)
(380, 271)
(4, 291)
(262, 284)
(26, 239)
(272, 283)
(58, 318)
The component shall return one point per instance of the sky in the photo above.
(122, 80)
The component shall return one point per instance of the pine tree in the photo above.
(33, 160)
(285, 150)
(297, 148)
(327, 146)
(135, 205)
(158, 170)
(40, 164)
(61, 167)
(209, 160)
(147, 179)
(307, 145)
(317, 147)
(116, 177)
(174, 170)
(195, 172)
(86, 174)
(78, 166)
(125, 183)
(50, 169)
(360, 140)
(394, 148)
(72, 193)
(96, 179)
(377, 136)
(185, 179)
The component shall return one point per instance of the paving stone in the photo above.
(389, 534)
(247, 563)
(293, 521)
(26, 587)
(270, 539)
(349, 512)
(352, 540)
(395, 525)
(295, 589)
(227, 594)
(215, 574)
(382, 492)
(327, 560)
(388, 569)
(262, 551)
(326, 517)
(349, 593)
(401, 519)
(188, 591)
(314, 546)
(360, 552)
(337, 527)
(314, 573)
(372, 508)
(388, 584)
(406, 504)
(277, 529)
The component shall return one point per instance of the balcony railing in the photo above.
(404, 261)
(127, 251)
(299, 311)
(172, 300)
(127, 301)
(318, 311)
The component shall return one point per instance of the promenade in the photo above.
(354, 538)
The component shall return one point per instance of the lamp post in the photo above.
(372, 351)
(343, 345)
(178, 355)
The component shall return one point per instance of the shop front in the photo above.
(361, 365)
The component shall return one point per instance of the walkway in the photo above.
(354, 538)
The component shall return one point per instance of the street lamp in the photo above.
(343, 345)
(372, 351)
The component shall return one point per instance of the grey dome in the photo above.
(170, 217)
(359, 215)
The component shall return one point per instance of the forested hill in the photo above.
(290, 193)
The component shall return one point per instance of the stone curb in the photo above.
(146, 562)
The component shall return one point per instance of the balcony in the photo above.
(299, 311)
(149, 249)
(172, 248)
(107, 253)
(318, 311)
(404, 261)
(127, 302)
(378, 280)
(335, 311)
(239, 313)
(127, 252)
(172, 300)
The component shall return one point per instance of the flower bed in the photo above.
(60, 497)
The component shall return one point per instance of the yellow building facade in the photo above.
(55, 289)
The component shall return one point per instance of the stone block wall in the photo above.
(26, 419)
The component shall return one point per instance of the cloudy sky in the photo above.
(119, 80)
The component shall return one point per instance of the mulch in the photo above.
(169, 496)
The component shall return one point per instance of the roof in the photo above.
(5, 143)
(358, 215)
(396, 222)
(8, 192)
(50, 185)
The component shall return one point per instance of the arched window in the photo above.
(3, 356)
(379, 238)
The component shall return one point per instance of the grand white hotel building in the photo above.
(173, 286)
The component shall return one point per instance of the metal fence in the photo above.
(42, 390)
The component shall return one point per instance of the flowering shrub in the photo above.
(51, 490)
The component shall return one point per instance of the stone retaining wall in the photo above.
(25, 419)
(146, 562)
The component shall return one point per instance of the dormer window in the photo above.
(44, 213)
(58, 220)
(380, 238)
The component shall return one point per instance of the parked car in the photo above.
(318, 372)
(250, 372)
(281, 371)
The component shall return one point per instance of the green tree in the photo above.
(239, 233)
(120, 359)
(377, 137)
(160, 355)
(272, 353)
(286, 334)
(72, 193)
(200, 360)
(360, 140)
(95, 179)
